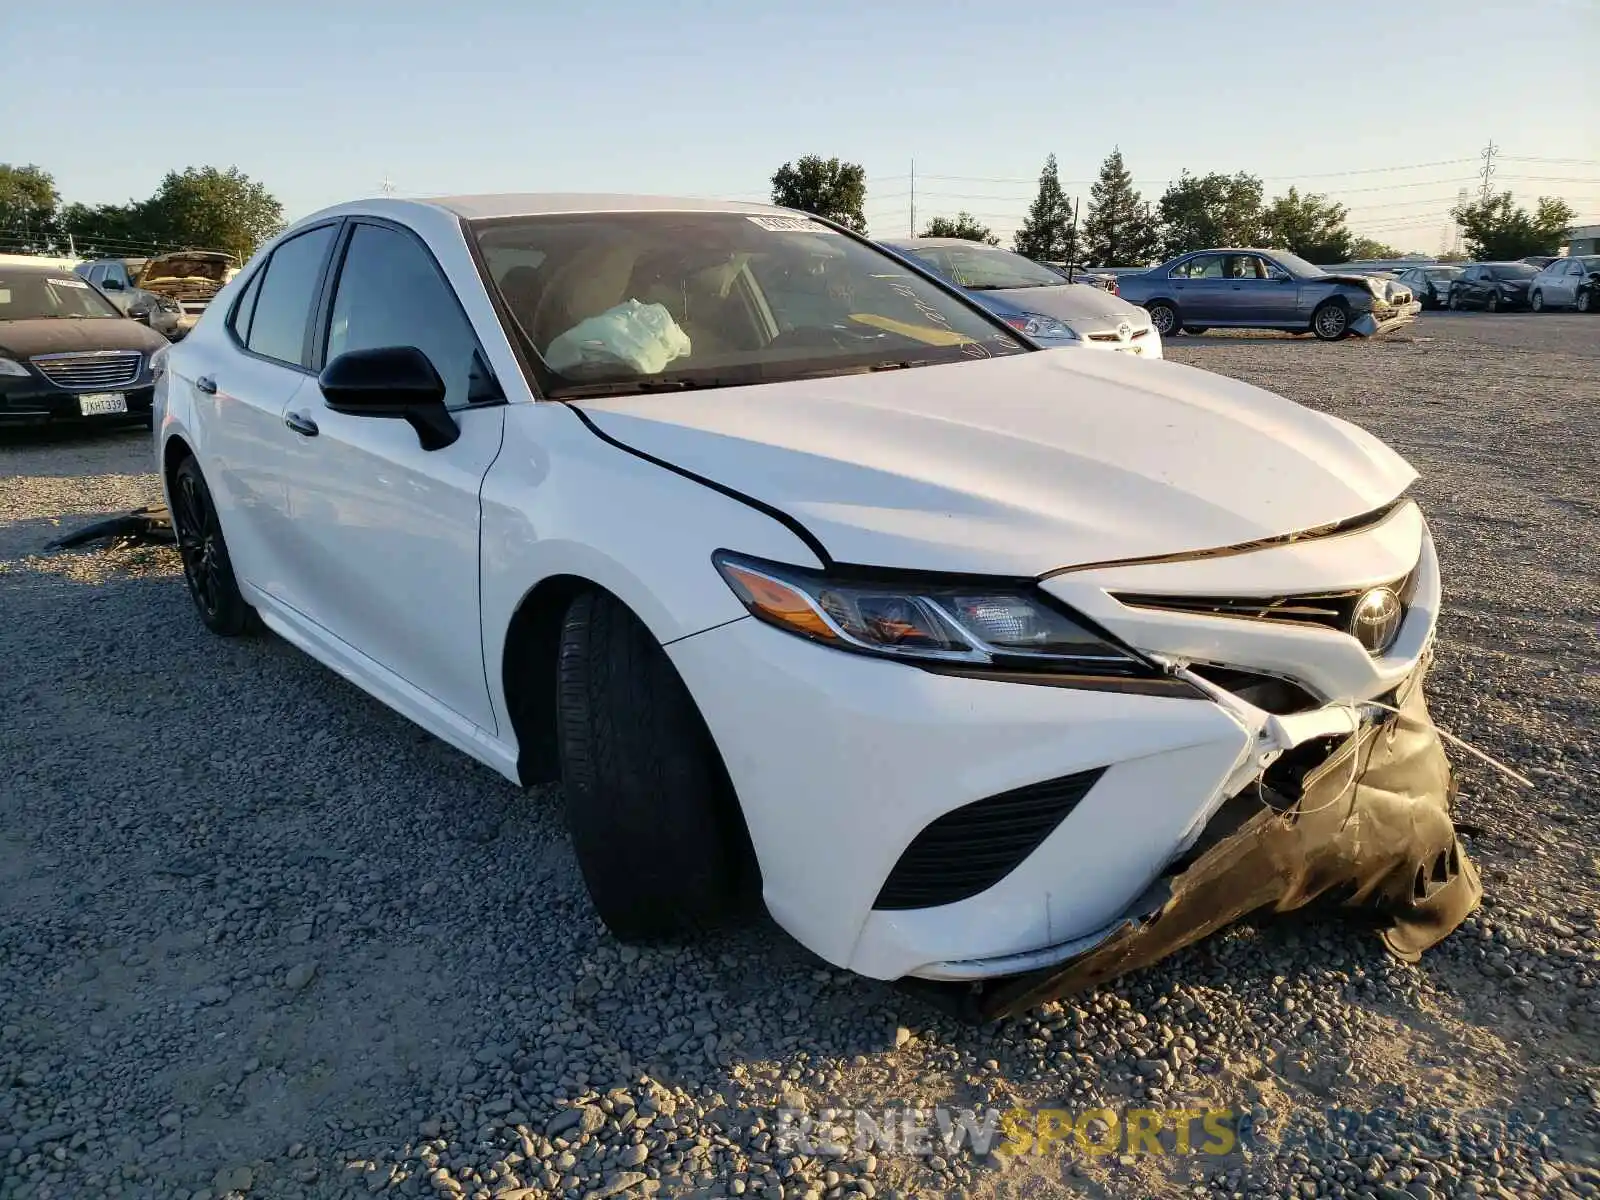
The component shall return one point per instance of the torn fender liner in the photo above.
(151, 524)
(1383, 844)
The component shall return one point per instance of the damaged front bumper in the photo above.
(1367, 828)
(1384, 318)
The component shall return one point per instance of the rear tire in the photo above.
(1331, 321)
(1585, 301)
(1455, 302)
(1164, 317)
(207, 569)
(653, 816)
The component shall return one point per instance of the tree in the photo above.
(962, 225)
(825, 186)
(106, 230)
(1311, 226)
(1120, 229)
(1047, 232)
(1200, 211)
(1362, 248)
(28, 200)
(1497, 228)
(204, 208)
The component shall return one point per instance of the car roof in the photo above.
(31, 269)
(912, 243)
(533, 204)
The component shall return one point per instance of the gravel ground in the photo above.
(259, 936)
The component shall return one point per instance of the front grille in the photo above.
(1332, 610)
(93, 370)
(971, 849)
(1105, 337)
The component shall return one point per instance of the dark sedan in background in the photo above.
(67, 354)
(1266, 289)
(1431, 284)
(1493, 286)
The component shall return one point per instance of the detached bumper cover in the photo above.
(1375, 836)
(1383, 318)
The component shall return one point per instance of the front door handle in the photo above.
(301, 424)
(207, 385)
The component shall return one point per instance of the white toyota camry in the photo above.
(1001, 668)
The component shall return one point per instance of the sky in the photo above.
(1386, 108)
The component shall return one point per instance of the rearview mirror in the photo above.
(111, 285)
(391, 381)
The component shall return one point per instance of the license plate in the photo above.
(1130, 349)
(94, 404)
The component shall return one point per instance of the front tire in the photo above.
(207, 569)
(1164, 317)
(1536, 301)
(1197, 330)
(1492, 304)
(1331, 321)
(1585, 300)
(653, 816)
(1455, 302)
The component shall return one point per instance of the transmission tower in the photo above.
(387, 186)
(1486, 172)
(1461, 202)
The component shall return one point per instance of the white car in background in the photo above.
(1035, 299)
(998, 669)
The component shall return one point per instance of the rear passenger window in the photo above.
(281, 308)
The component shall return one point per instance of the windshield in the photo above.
(1513, 271)
(662, 300)
(1296, 265)
(986, 268)
(28, 295)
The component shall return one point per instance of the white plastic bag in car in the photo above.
(644, 336)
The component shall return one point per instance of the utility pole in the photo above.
(913, 232)
(1486, 172)
(387, 186)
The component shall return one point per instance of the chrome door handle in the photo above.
(301, 424)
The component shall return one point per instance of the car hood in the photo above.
(1071, 302)
(55, 335)
(1019, 465)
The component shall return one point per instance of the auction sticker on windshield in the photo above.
(71, 283)
(791, 225)
(94, 404)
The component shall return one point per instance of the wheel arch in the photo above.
(528, 672)
(173, 451)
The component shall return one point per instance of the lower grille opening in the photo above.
(971, 849)
(1267, 692)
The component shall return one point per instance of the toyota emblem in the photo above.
(1124, 331)
(1376, 620)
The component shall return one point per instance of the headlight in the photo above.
(158, 362)
(167, 304)
(10, 366)
(1037, 325)
(999, 626)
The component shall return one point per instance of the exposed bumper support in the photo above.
(1377, 838)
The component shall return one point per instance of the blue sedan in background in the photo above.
(1266, 289)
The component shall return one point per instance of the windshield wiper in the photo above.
(634, 387)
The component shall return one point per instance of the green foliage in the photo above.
(1496, 228)
(1119, 229)
(1365, 248)
(824, 186)
(28, 200)
(204, 208)
(962, 225)
(1311, 226)
(1200, 211)
(1047, 233)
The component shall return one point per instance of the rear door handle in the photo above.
(207, 385)
(301, 424)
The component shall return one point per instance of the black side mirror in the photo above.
(391, 381)
(141, 315)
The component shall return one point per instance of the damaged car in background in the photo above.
(993, 670)
(1267, 289)
(188, 278)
